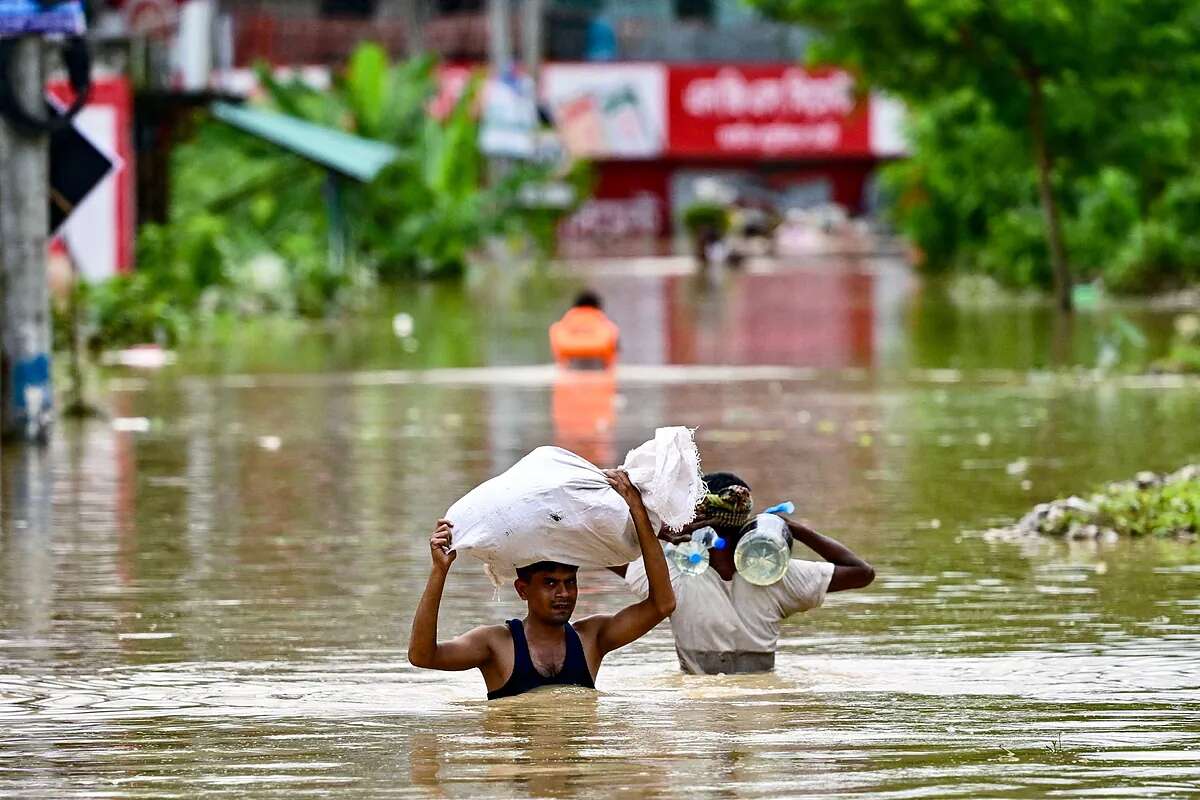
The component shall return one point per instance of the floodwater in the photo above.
(209, 594)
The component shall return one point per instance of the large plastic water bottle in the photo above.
(691, 557)
(764, 551)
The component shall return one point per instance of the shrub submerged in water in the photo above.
(1184, 355)
(1150, 505)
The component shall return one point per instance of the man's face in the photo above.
(551, 595)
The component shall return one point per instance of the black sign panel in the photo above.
(76, 168)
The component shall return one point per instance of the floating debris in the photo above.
(143, 356)
(1152, 504)
(131, 424)
(271, 443)
(403, 325)
(1018, 467)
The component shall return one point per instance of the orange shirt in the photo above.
(584, 333)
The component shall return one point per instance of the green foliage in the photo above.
(1159, 511)
(1184, 355)
(428, 210)
(703, 217)
(1167, 505)
(1108, 209)
(1167, 510)
(1119, 84)
(249, 227)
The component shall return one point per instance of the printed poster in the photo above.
(608, 110)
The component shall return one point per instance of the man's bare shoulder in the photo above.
(491, 635)
(491, 632)
(588, 626)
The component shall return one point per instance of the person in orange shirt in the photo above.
(585, 338)
(584, 342)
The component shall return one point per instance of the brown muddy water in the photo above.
(209, 594)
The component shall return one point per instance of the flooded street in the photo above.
(210, 594)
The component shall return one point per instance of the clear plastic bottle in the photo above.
(764, 551)
(691, 557)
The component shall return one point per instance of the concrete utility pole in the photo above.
(499, 30)
(26, 406)
(531, 36)
(414, 15)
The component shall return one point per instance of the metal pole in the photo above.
(413, 15)
(339, 229)
(499, 27)
(27, 404)
(531, 34)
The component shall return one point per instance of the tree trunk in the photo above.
(1044, 162)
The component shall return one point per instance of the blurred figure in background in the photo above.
(584, 343)
(585, 338)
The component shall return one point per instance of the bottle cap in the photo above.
(719, 543)
(694, 558)
(786, 507)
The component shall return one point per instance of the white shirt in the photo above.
(733, 626)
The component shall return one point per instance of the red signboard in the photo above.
(765, 112)
(101, 228)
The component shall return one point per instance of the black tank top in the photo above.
(525, 677)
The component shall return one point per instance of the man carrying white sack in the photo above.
(544, 649)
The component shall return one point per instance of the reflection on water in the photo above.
(584, 407)
(829, 315)
(219, 604)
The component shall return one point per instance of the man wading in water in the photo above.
(723, 622)
(544, 649)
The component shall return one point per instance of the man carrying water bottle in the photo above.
(724, 622)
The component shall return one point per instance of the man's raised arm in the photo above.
(849, 571)
(631, 623)
(469, 651)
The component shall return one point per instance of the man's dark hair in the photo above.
(526, 573)
(716, 481)
(587, 299)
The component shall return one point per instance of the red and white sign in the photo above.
(100, 230)
(765, 112)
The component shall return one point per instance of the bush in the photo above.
(1108, 210)
(1151, 505)
(1148, 260)
(705, 217)
(1184, 355)
(1014, 251)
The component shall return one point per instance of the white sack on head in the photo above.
(553, 505)
(666, 470)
